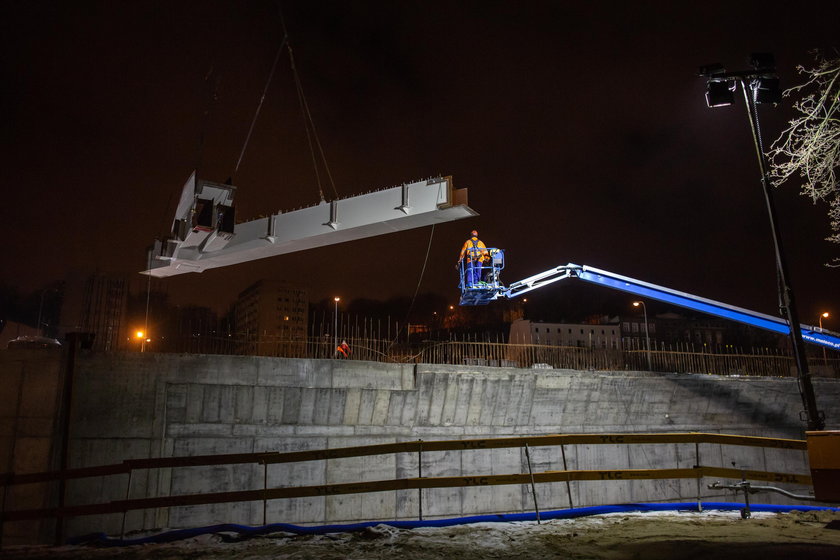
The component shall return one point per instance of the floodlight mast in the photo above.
(764, 69)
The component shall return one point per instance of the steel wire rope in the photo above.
(416, 289)
(308, 121)
(311, 131)
(260, 104)
(213, 80)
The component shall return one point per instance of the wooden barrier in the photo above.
(419, 446)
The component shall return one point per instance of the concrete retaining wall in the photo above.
(156, 405)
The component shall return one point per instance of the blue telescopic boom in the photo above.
(810, 333)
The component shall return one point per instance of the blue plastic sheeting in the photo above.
(245, 531)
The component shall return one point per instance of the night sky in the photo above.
(580, 129)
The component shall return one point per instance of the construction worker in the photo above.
(476, 253)
(342, 351)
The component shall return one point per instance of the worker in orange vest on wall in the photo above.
(476, 254)
(342, 351)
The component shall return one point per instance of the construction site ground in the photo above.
(620, 536)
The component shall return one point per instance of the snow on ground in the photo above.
(618, 536)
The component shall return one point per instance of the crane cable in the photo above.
(417, 288)
(212, 80)
(308, 121)
(259, 106)
(311, 132)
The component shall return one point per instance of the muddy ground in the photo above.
(650, 536)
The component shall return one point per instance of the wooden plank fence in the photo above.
(697, 472)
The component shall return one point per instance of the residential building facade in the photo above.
(272, 319)
(523, 331)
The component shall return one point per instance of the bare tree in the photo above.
(810, 146)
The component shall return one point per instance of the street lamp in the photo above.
(761, 85)
(647, 332)
(141, 336)
(824, 315)
(335, 329)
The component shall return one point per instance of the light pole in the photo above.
(647, 332)
(761, 85)
(141, 336)
(335, 329)
(824, 315)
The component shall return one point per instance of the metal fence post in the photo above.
(420, 475)
(565, 468)
(265, 491)
(697, 466)
(127, 497)
(533, 484)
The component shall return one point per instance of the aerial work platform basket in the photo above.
(480, 282)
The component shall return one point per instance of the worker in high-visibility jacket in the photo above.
(476, 254)
(342, 351)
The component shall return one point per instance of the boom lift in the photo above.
(491, 288)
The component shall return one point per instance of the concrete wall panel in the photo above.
(148, 405)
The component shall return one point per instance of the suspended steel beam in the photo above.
(204, 233)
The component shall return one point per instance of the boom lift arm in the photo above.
(482, 295)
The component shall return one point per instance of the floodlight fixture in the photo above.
(766, 90)
(720, 93)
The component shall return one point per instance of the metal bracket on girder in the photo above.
(333, 223)
(269, 236)
(404, 207)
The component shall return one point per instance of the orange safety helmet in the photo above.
(474, 233)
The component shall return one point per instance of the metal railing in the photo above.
(633, 356)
